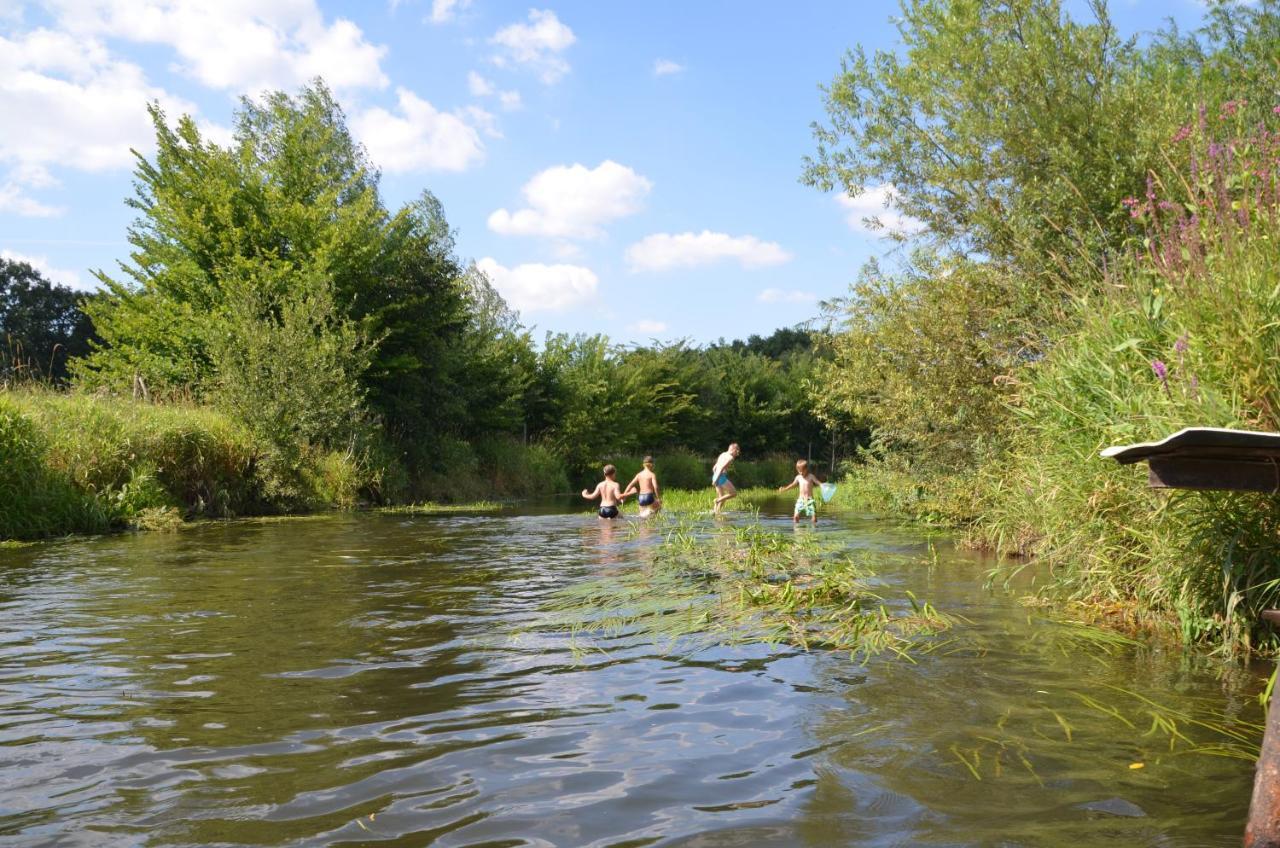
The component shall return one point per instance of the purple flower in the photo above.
(1184, 133)
(1215, 149)
(1162, 370)
(1230, 108)
(1181, 344)
(1167, 205)
(1275, 110)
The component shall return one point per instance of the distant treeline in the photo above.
(1096, 261)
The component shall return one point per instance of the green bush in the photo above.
(1188, 334)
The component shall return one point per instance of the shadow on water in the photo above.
(388, 679)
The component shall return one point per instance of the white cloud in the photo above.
(14, 199)
(647, 326)
(443, 11)
(784, 296)
(62, 276)
(482, 120)
(664, 251)
(237, 45)
(536, 45)
(478, 85)
(80, 108)
(573, 201)
(481, 87)
(536, 287)
(666, 67)
(877, 205)
(13, 191)
(418, 138)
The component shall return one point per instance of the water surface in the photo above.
(386, 680)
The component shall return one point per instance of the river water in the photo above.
(377, 679)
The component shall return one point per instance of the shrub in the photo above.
(1187, 333)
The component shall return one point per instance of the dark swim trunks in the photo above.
(645, 499)
(608, 512)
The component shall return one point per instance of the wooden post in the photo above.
(1263, 829)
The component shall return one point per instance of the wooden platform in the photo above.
(1208, 458)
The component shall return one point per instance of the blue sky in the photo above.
(631, 169)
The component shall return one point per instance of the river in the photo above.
(375, 679)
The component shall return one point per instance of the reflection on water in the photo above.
(376, 679)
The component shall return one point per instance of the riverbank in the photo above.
(77, 463)
(87, 463)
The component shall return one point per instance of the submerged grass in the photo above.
(443, 509)
(732, 584)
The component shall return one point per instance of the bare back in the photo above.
(647, 482)
(610, 493)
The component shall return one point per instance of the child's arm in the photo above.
(794, 482)
(632, 486)
(622, 496)
(593, 494)
(657, 494)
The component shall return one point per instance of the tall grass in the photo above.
(453, 471)
(1187, 332)
(80, 463)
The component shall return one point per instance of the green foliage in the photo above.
(1187, 334)
(270, 278)
(1094, 269)
(35, 500)
(75, 463)
(288, 369)
(920, 357)
(1010, 129)
(41, 325)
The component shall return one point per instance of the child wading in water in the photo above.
(805, 504)
(720, 477)
(609, 493)
(646, 482)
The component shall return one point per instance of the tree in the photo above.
(1008, 128)
(237, 251)
(41, 324)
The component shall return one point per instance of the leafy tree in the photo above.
(1008, 128)
(41, 324)
(236, 250)
(919, 358)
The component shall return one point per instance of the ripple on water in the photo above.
(362, 679)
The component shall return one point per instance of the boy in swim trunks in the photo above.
(610, 495)
(646, 482)
(805, 504)
(720, 477)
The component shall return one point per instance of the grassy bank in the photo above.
(81, 463)
(77, 463)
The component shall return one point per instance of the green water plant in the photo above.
(707, 584)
